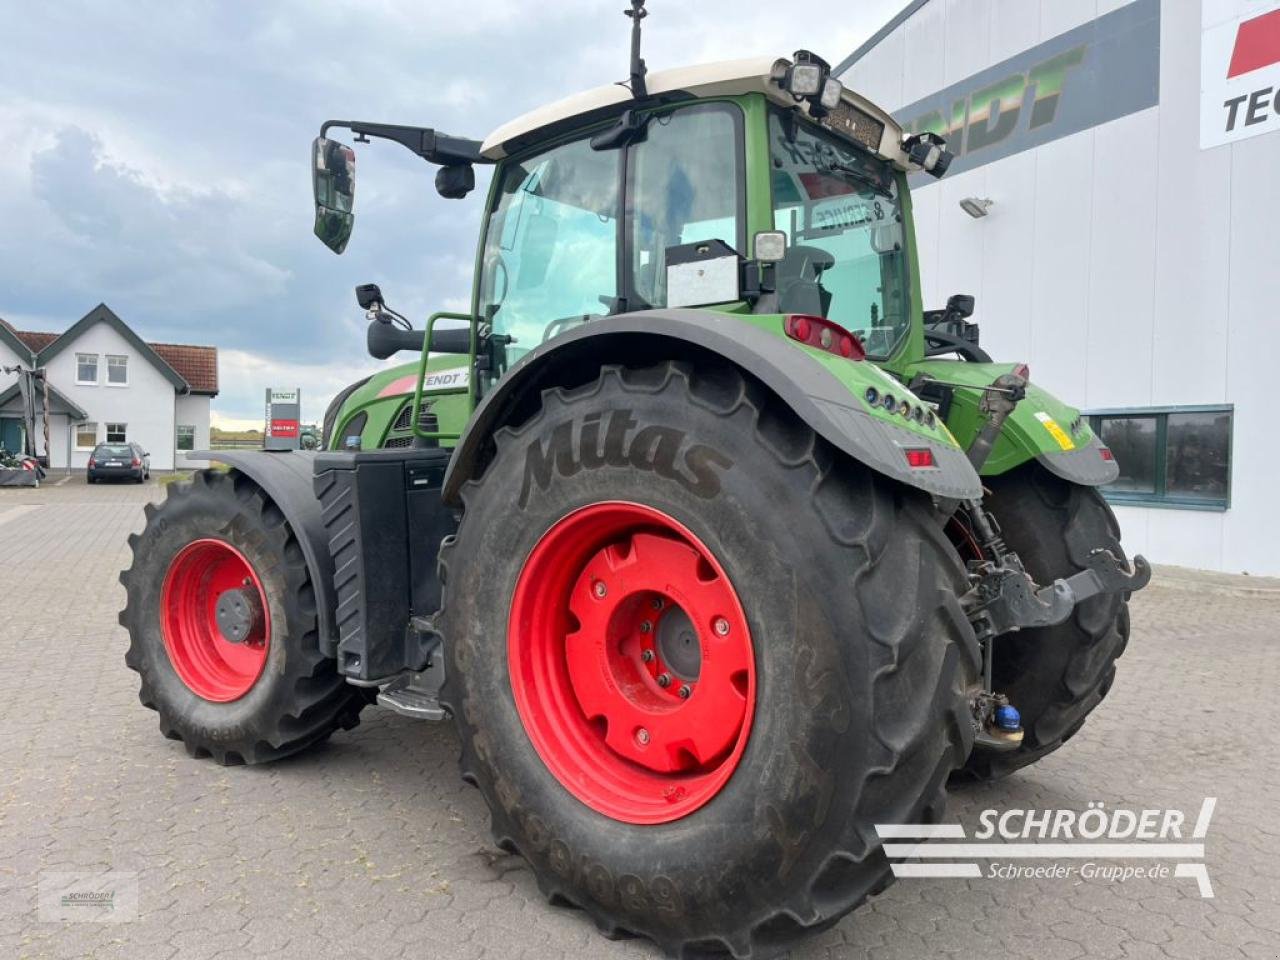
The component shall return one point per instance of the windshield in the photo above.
(113, 452)
(846, 259)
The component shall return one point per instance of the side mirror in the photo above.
(960, 305)
(333, 183)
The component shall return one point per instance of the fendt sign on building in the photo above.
(283, 416)
(1239, 70)
(1104, 69)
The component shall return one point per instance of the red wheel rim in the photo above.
(211, 665)
(631, 662)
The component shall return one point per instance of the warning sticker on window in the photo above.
(1055, 431)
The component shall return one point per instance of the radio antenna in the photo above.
(637, 13)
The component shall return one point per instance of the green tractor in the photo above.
(717, 549)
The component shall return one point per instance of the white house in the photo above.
(108, 385)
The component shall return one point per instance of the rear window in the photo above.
(114, 450)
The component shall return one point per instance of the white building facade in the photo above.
(108, 385)
(1125, 155)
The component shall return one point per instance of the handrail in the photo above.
(469, 389)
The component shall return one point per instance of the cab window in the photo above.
(550, 257)
(682, 188)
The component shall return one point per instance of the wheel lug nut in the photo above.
(721, 626)
(599, 589)
(646, 656)
(642, 737)
(657, 603)
(646, 627)
(685, 691)
(664, 679)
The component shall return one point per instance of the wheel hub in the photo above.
(214, 620)
(238, 614)
(631, 662)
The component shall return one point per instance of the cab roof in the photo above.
(725, 78)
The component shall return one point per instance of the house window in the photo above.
(186, 437)
(116, 433)
(118, 371)
(1169, 456)
(86, 368)
(86, 436)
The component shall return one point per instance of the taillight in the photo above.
(137, 462)
(1023, 371)
(824, 334)
(918, 457)
(1106, 453)
(92, 463)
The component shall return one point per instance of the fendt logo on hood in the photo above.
(1239, 70)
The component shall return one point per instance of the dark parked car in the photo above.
(119, 461)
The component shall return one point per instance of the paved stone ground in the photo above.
(371, 847)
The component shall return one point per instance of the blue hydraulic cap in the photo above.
(1008, 718)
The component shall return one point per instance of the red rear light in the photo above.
(92, 463)
(919, 457)
(824, 334)
(1023, 371)
(1107, 454)
(137, 462)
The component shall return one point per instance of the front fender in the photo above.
(826, 392)
(287, 477)
(1041, 427)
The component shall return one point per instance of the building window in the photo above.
(116, 433)
(118, 371)
(186, 437)
(86, 368)
(86, 436)
(1169, 456)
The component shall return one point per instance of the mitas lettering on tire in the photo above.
(617, 439)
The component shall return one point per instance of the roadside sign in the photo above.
(283, 417)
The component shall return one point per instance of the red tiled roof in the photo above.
(35, 340)
(196, 365)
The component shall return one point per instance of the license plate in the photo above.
(114, 463)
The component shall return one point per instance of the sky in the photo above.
(154, 155)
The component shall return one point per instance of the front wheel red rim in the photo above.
(214, 620)
(631, 662)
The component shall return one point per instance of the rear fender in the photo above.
(1041, 426)
(827, 392)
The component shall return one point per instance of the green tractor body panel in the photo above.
(1041, 427)
(386, 399)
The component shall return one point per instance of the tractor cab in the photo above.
(753, 187)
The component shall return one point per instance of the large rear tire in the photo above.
(809, 602)
(219, 547)
(1055, 676)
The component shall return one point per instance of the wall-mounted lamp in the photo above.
(976, 207)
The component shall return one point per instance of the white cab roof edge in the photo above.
(726, 78)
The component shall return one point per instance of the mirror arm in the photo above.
(427, 143)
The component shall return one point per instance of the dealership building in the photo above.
(1119, 169)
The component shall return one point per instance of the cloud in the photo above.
(155, 156)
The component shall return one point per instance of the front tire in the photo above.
(258, 698)
(823, 593)
(1057, 675)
